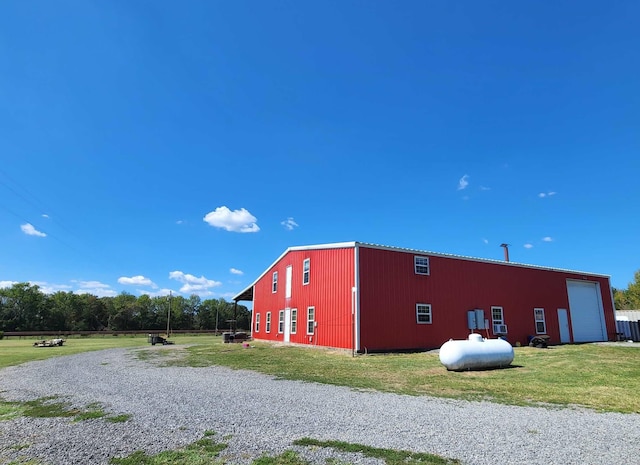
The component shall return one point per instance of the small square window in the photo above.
(423, 314)
(421, 265)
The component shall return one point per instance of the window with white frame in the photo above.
(257, 324)
(306, 266)
(311, 320)
(268, 323)
(421, 265)
(423, 314)
(274, 282)
(541, 326)
(497, 319)
(294, 320)
(281, 321)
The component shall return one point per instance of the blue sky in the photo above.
(148, 146)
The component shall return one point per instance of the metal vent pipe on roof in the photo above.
(506, 251)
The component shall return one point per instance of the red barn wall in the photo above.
(390, 289)
(331, 280)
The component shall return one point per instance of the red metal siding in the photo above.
(389, 291)
(331, 279)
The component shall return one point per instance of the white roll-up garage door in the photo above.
(587, 314)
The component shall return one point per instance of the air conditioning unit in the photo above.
(499, 329)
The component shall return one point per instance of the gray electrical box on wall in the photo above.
(475, 319)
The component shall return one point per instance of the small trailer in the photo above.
(157, 339)
(541, 341)
(50, 343)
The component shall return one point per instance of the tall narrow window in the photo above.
(421, 265)
(541, 326)
(306, 266)
(497, 318)
(294, 320)
(287, 283)
(274, 285)
(281, 321)
(423, 314)
(268, 323)
(257, 328)
(311, 320)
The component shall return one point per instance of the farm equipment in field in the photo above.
(157, 339)
(540, 341)
(231, 337)
(50, 343)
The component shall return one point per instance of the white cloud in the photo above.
(236, 271)
(235, 221)
(137, 281)
(94, 288)
(4, 284)
(44, 215)
(193, 284)
(528, 246)
(463, 183)
(98, 292)
(158, 293)
(289, 224)
(91, 284)
(179, 222)
(29, 230)
(542, 195)
(486, 241)
(48, 288)
(484, 188)
(547, 239)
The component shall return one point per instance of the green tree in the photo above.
(124, 313)
(628, 299)
(24, 308)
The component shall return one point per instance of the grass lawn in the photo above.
(601, 377)
(14, 351)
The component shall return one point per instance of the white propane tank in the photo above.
(475, 353)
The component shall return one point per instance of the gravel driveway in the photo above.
(173, 406)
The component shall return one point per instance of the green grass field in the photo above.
(601, 377)
(14, 351)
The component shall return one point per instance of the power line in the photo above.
(36, 202)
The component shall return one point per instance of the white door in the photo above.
(287, 324)
(587, 315)
(563, 321)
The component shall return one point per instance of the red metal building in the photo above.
(367, 297)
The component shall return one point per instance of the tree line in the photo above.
(24, 307)
(629, 298)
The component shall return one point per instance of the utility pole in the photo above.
(217, 309)
(169, 315)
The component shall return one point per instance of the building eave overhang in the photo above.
(247, 293)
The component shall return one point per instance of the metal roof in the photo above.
(247, 293)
